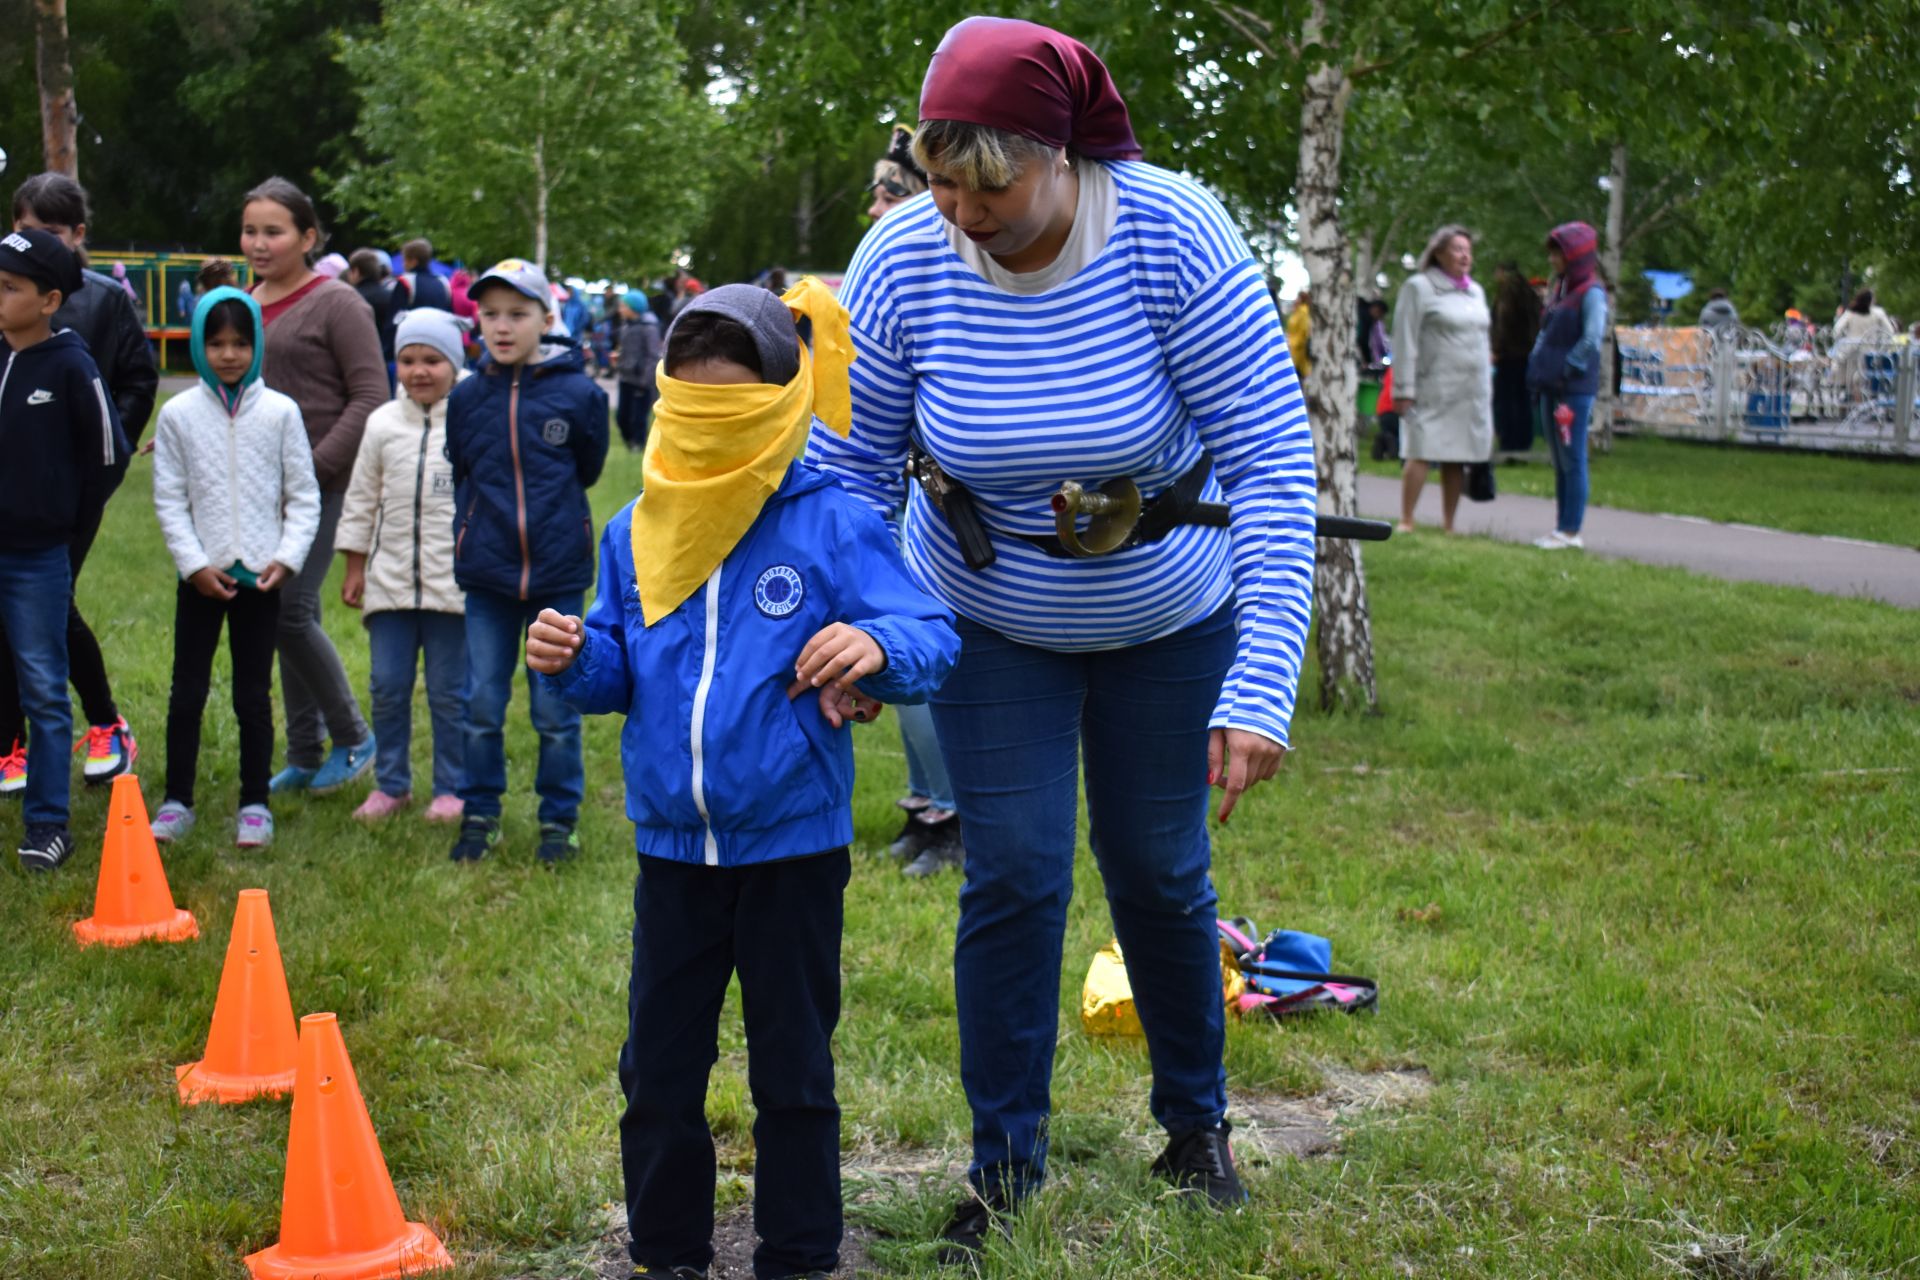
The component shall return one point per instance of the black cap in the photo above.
(41, 258)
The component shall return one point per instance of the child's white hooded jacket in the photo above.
(233, 470)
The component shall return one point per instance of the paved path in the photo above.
(1737, 552)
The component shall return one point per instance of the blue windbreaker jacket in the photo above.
(721, 767)
(526, 444)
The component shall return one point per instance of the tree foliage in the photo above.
(498, 127)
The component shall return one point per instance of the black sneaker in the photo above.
(477, 837)
(558, 842)
(945, 850)
(964, 1238)
(1202, 1160)
(45, 848)
(670, 1273)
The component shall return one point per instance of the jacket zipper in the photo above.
(465, 524)
(7, 373)
(233, 485)
(700, 693)
(519, 482)
(419, 482)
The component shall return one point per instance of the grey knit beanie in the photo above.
(761, 314)
(430, 327)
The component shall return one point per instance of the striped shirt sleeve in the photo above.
(871, 461)
(1228, 357)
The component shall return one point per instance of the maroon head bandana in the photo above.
(1031, 80)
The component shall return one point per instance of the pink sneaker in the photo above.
(379, 804)
(446, 809)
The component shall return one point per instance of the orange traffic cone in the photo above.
(252, 1046)
(339, 1217)
(132, 902)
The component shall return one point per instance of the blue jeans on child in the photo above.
(926, 767)
(34, 591)
(496, 628)
(1012, 721)
(395, 639)
(1569, 460)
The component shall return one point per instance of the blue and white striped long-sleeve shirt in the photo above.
(1165, 346)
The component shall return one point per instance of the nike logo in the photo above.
(40, 397)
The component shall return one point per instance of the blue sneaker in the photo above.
(342, 767)
(295, 777)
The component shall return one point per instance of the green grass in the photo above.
(1877, 499)
(1669, 988)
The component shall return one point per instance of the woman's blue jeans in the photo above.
(1569, 460)
(1012, 721)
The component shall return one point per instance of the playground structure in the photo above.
(156, 279)
(1795, 387)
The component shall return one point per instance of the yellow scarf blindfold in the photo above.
(717, 453)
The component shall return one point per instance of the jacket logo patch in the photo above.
(442, 483)
(554, 432)
(40, 397)
(779, 591)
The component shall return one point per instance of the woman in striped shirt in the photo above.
(1055, 310)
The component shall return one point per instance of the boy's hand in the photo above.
(839, 654)
(275, 574)
(213, 584)
(553, 642)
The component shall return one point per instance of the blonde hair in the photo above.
(1439, 242)
(976, 155)
(899, 175)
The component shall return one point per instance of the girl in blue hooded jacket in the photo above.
(234, 488)
(741, 597)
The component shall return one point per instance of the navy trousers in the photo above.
(778, 924)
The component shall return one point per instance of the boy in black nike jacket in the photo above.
(63, 448)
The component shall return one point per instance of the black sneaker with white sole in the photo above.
(1201, 1160)
(46, 847)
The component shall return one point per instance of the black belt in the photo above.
(1178, 504)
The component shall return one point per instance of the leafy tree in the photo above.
(520, 126)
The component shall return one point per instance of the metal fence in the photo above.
(1795, 387)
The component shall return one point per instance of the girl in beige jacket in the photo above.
(396, 530)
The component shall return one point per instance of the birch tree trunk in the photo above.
(540, 201)
(59, 114)
(1344, 634)
(1611, 255)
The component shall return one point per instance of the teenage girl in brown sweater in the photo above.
(323, 351)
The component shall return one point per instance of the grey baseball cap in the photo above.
(760, 312)
(519, 275)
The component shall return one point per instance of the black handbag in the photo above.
(1480, 486)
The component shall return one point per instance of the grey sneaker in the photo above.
(254, 829)
(172, 822)
(945, 850)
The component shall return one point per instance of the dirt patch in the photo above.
(1711, 1257)
(1269, 1127)
(733, 1244)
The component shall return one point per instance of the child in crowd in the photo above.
(741, 579)
(527, 436)
(638, 354)
(396, 531)
(61, 439)
(234, 488)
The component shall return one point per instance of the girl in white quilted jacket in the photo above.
(234, 488)
(396, 531)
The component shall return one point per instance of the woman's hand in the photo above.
(841, 705)
(213, 584)
(1236, 760)
(553, 642)
(276, 573)
(837, 655)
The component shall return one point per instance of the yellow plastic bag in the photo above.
(1106, 998)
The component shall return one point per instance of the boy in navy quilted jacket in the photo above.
(741, 598)
(527, 436)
